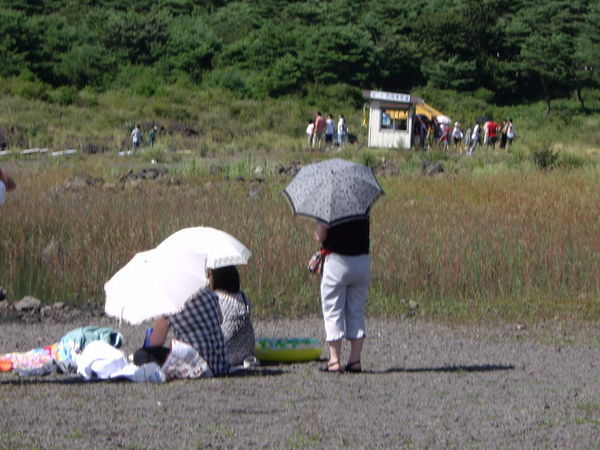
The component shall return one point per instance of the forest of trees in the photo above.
(510, 50)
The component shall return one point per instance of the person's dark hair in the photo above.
(226, 279)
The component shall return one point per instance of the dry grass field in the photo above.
(509, 244)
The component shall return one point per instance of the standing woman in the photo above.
(344, 287)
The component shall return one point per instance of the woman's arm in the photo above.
(320, 232)
(159, 332)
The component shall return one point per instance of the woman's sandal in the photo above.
(353, 367)
(328, 367)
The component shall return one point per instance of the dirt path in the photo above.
(427, 385)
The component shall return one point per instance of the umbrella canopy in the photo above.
(221, 249)
(428, 110)
(444, 120)
(333, 191)
(154, 283)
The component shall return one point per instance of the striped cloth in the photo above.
(198, 324)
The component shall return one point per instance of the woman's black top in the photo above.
(349, 238)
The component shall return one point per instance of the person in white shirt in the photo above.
(342, 130)
(309, 133)
(474, 138)
(457, 135)
(136, 137)
(510, 133)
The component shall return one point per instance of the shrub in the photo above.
(544, 158)
(87, 97)
(31, 90)
(64, 95)
(230, 79)
(484, 94)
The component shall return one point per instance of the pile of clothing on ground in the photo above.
(92, 353)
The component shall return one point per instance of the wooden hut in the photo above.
(391, 118)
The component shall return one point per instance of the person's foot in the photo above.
(353, 367)
(332, 367)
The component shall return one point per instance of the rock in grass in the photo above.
(432, 168)
(28, 304)
(82, 182)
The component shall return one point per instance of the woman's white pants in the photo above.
(344, 288)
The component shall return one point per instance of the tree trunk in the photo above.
(546, 96)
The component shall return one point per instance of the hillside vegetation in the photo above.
(506, 50)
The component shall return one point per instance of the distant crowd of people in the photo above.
(431, 134)
(324, 133)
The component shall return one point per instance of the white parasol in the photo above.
(221, 248)
(154, 283)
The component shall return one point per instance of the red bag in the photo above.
(315, 264)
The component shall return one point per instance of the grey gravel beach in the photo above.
(424, 385)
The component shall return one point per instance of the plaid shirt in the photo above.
(198, 325)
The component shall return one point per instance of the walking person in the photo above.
(136, 138)
(309, 133)
(474, 137)
(467, 140)
(510, 133)
(329, 127)
(152, 136)
(318, 131)
(457, 136)
(443, 139)
(491, 129)
(342, 130)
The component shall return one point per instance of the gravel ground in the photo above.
(426, 385)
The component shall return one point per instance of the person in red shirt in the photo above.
(491, 131)
(318, 131)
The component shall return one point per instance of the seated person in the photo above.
(235, 307)
(197, 324)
